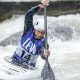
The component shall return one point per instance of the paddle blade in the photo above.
(47, 72)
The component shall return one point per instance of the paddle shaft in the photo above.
(45, 25)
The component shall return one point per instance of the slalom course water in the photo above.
(64, 41)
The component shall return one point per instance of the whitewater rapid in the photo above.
(64, 42)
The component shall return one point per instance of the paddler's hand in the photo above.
(44, 3)
(46, 53)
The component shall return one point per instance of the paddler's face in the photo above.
(39, 34)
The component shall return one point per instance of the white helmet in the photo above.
(39, 25)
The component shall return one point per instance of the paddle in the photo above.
(47, 72)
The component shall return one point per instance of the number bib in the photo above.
(28, 44)
(28, 50)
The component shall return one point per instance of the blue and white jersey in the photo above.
(30, 48)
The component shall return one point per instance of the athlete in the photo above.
(32, 43)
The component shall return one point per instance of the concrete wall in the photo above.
(7, 9)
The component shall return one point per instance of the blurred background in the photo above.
(56, 7)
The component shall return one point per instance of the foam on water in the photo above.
(65, 54)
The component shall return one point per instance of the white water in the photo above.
(64, 58)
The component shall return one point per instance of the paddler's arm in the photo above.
(28, 23)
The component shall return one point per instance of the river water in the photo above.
(63, 39)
